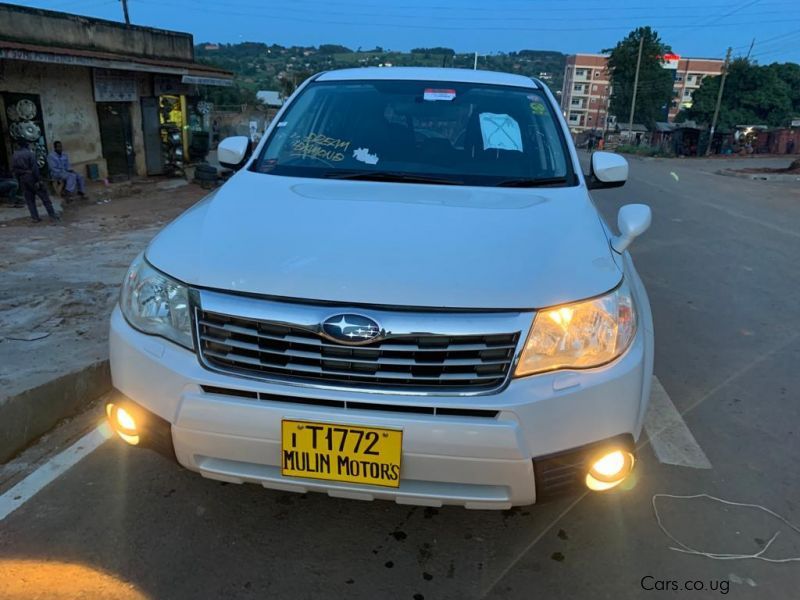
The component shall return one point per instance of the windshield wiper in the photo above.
(545, 182)
(389, 176)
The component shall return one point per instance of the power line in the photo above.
(294, 10)
(721, 17)
(776, 37)
(439, 27)
(538, 10)
(775, 46)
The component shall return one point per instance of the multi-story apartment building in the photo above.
(585, 92)
(587, 86)
(689, 73)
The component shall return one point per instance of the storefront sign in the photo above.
(114, 86)
(207, 80)
(670, 61)
(170, 85)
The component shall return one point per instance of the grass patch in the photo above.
(644, 151)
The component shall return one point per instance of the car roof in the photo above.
(429, 74)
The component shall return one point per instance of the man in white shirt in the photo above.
(58, 163)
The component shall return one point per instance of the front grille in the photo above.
(266, 349)
(352, 405)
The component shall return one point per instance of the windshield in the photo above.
(418, 131)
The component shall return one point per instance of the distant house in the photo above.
(632, 134)
(662, 135)
(270, 98)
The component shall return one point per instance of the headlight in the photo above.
(580, 335)
(153, 303)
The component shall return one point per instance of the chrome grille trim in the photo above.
(436, 411)
(423, 353)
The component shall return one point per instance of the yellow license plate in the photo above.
(341, 452)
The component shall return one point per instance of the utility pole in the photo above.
(719, 101)
(751, 49)
(608, 106)
(635, 87)
(475, 64)
(125, 12)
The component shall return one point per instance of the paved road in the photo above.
(721, 266)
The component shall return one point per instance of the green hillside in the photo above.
(261, 66)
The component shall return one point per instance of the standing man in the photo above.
(26, 170)
(58, 163)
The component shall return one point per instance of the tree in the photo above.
(435, 50)
(333, 49)
(753, 95)
(655, 83)
(229, 96)
(289, 82)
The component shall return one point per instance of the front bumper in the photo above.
(228, 428)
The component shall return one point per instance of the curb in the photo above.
(759, 176)
(32, 413)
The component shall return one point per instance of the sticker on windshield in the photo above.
(432, 95)
(501, 132)
(319, 146)
(537, 105)
(364, 156)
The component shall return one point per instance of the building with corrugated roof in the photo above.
(106, 90)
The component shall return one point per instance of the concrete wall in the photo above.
(48, 28)
(68, 108)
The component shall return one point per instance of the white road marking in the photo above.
(52, 469)
(670, 438)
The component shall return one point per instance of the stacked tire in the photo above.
(206, 175)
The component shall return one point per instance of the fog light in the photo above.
(609, 470)
(123, 422)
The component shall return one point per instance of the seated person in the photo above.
(58, 163)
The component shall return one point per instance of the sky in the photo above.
(694, 29)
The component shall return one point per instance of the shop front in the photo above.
(133, 108)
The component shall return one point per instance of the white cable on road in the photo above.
(52, 469)
(719, 556)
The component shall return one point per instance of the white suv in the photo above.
(405, 292)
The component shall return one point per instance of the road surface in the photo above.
(721, 266)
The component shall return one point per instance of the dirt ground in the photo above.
(60, 281)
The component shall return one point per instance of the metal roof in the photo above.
(636, 128)
(269, 97)
(90, 58)
(430, 74)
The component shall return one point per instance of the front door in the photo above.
(117, 138)
(151, 128)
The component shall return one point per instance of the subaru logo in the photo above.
(349, 328)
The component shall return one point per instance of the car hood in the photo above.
(362, 242)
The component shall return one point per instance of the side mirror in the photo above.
(607, 170)
(232, 152)
(632, 221)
